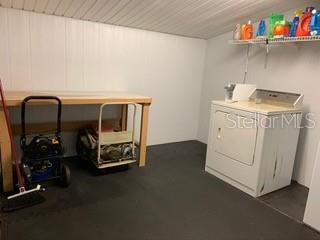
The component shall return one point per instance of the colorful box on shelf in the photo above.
(273, 19)
(281, 29)
(304, 25)
(315, 23)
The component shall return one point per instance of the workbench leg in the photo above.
(124, 117)
(143, 134)
(6, 159)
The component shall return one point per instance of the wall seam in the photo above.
(8, 51)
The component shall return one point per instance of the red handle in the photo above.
(13, 144)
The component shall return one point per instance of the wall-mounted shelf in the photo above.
(251, 41)
(267, 42)
(275, 40)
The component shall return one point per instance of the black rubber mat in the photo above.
(23, 201)
(291, 200)
(171, 198)
(3, 229)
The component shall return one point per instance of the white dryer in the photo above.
(252, 144)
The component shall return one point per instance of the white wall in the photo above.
(312, 212)
(291, 67)
(41, 52)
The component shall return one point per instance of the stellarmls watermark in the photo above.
(273, 121)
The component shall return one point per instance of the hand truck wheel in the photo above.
(65, 176)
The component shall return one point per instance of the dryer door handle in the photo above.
(219, 133)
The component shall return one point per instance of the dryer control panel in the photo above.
(285, 99)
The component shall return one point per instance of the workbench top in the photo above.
(14, 98)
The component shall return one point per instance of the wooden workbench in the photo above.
(14, 99)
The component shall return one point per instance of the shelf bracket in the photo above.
(247, 65)
(267, 53)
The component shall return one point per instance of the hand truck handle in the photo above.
(23, 111)
(102, 106)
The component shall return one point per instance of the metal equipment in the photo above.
(107, 148)
(25, 197)
(42, 156)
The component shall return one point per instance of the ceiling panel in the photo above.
(62, 7)
(192, 18)
(52, 6)
(149, 13)
(18, 4)
(135, 12)
(84, 8)
(40, 6)
(107, 6)
(6, 3)
(71, 10)
(94, 9)
(29, 5)
(126, 11)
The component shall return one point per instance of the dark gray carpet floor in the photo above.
(171, 198)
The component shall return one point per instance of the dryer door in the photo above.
(235, 137)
